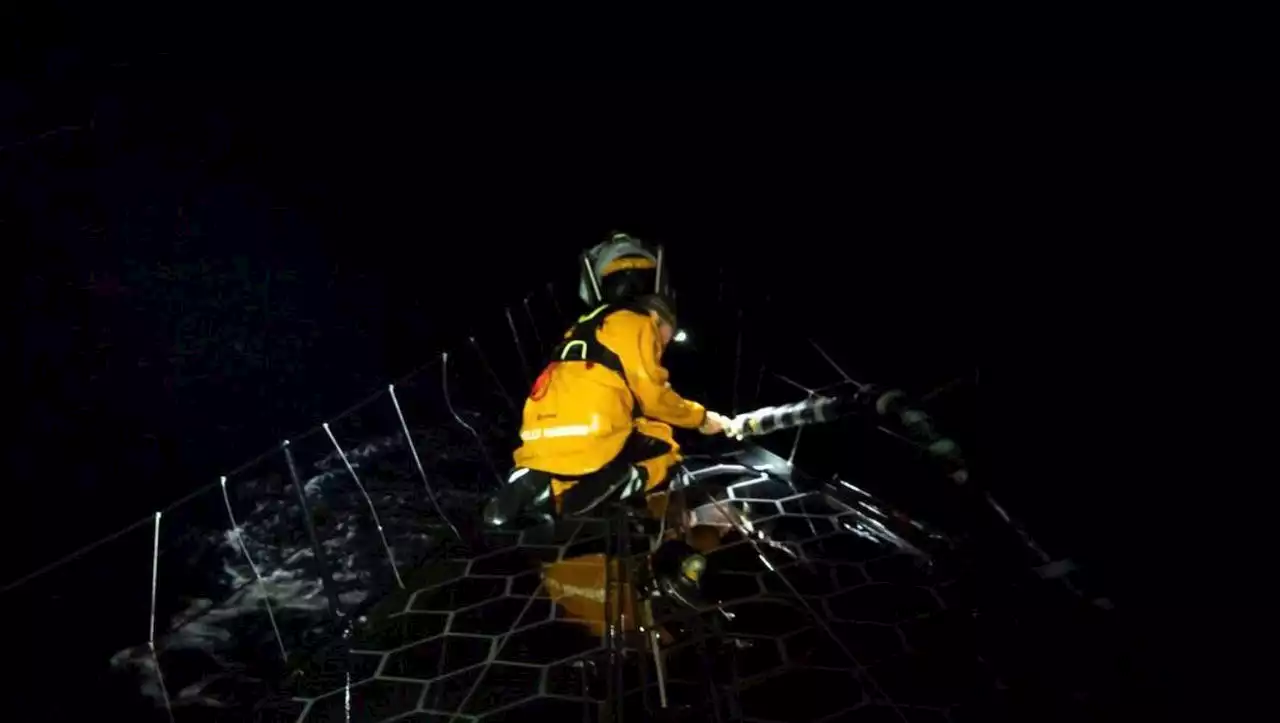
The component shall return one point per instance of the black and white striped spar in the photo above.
(890, 407)
(768, 420)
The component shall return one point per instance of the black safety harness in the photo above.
(581, 345)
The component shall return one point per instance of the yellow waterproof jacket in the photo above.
(580, 413)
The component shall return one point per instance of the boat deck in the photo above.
(838, 609)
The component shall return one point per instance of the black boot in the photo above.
(519, 501)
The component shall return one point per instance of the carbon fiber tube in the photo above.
(916, 425)
(768, 420)
(891, 407)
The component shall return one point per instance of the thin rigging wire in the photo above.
(196, 492)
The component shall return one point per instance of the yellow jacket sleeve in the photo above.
(634, 338)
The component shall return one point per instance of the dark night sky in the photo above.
(217, 257)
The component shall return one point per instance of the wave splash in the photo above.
(228, 622)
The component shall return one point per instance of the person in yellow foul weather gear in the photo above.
(597, 424)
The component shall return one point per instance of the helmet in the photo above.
(620, 269)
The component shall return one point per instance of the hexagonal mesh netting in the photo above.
(826, 609)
